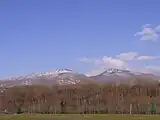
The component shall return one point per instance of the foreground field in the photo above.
(79, 117)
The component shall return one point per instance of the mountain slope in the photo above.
(69, 77)
(60, 77)
(119, 76)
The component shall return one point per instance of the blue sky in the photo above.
(84, 35)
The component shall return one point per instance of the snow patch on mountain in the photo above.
(63, 70)
(117, 72)
(58, 76)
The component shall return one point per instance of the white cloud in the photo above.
(113, 62)
(105, 62)
(135, 56)
(85, 60)
(147, 57)
(127, 56)
(146, 25)
(157, 29)
(149, 33)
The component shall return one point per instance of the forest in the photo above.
(81, 99)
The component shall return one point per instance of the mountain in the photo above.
(69, 77)
(120, 76)
(59, 76)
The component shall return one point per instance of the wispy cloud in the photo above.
(157, 29)
(147, 57)
(149, 33)
(105, 62)
(134, 56)
(127, 56)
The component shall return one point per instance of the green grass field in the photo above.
(79, 117)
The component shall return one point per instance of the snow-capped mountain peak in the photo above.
(63, 70)
(52, 73)
(114, 70)
(49, 78)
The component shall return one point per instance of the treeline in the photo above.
(84, 98)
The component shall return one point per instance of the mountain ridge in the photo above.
(68, 76)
